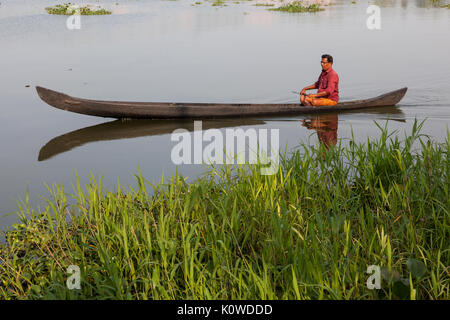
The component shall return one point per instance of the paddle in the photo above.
(297, 92)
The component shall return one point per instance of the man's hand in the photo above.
(303, 91)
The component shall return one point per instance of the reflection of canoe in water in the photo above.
(116, 130)
(165, 110)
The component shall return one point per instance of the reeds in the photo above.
(308, 232)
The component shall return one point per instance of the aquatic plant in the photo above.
(218, 3)
(297, 6)
(68, 9)
(264, 4)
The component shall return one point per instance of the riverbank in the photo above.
(308, 232)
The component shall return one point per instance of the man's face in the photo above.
(325, 64)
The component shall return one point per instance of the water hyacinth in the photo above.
(296, 5)
(69, 9)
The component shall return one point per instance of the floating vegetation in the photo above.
(219, 3)
(297, 6)
(70, 9)
(264, 4)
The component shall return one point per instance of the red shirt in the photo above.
(329, 82)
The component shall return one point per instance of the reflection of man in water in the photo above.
(326, 126)
(327, 85)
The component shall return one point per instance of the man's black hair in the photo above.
(329, 58)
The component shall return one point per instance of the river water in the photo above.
(174, 51)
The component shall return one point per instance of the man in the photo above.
(327, 85)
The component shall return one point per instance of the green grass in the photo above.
(308, 232)
(297, 6)
(61, 9)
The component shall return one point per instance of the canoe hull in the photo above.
(164, 110)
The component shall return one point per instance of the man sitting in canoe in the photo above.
(327, 85)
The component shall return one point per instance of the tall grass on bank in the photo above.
(308, 232)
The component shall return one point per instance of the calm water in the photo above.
(171, 51)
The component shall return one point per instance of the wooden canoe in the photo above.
(166, 110)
